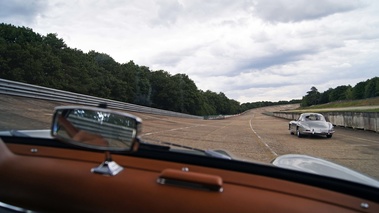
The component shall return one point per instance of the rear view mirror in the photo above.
(96, 128)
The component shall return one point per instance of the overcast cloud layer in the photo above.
(251, 50)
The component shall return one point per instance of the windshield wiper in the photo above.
(168, 145)
(210, 153)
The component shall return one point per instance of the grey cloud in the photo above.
(228, 67)
(172, 59)
(275, 59)
(168, 12)
(24, 11)
(168, 59)
(257, 85)
(300, 10)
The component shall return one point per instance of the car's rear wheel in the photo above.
(290, 128)
(298, 134)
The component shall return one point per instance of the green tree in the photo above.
(54, 42)
(359, 90)
(324, 97)
(142, 86)
(372, 88)
(340, 93)
(187, 95)
(312, 97)
(163, 90)
(205, 106)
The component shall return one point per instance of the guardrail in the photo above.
(355, 120)
(14, 88)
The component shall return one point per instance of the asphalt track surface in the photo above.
(252, 136)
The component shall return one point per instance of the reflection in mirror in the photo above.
(96, 128)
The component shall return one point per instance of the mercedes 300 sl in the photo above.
(311, 124)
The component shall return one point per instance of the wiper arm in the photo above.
(216, 154)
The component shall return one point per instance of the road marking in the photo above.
(260, 139)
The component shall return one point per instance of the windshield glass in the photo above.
(253, 136)
(313, 117)
(239, 77)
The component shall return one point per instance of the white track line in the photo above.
(260, 139)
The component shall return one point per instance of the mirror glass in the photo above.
(95, 128)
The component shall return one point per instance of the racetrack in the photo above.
(251, 136)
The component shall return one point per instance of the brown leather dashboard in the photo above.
(50, 179)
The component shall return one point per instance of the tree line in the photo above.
(46, 60)
(362, 90)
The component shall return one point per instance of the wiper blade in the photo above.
(166, 146)
(210, 153)
(150, 146)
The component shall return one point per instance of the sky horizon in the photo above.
(251, 50)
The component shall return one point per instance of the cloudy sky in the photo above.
(251, 50)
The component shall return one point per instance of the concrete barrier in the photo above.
(356, 120)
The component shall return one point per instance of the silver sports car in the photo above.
(311, 124)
